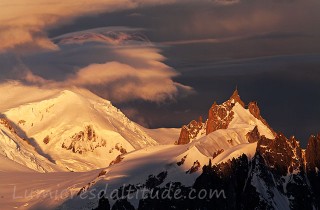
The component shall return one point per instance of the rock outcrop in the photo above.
(8, 125)
(253, 135)
(84, 141)
(312, 166)
(313, 154)
(190, 131)
(255, 111)
(219, 117)
(281, 154)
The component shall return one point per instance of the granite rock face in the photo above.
(190, 131)
(313, 154)
(255, 111)
(281, 154)
(253, 135)
(219, 117)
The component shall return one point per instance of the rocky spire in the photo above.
(255, 111)
(313, 154)
(236, 97)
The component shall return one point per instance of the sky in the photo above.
(164, 63)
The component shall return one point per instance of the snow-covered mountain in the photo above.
(72, 129)
(228, 125)
(233, 150)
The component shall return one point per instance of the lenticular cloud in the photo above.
(133, 67)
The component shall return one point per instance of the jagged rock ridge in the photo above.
(219, 117)
(277, 177)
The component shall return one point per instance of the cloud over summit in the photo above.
(132, 67)
(119, 63)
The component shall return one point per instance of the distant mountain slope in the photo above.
(73, 129)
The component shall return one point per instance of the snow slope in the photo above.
(164, 135)
(136, 167)
(248, 149)
(20, 151)
(7, 165)
(33, 190)
(75, 129)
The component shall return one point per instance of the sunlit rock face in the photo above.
(281, 154)
(255, 111)
(190, 131)
(279, 175)
(312, 166)
(219, 117)
(253, 135)
(313, 154)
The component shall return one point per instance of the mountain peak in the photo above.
(74, 124)
(220, 116)
(236, 97)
